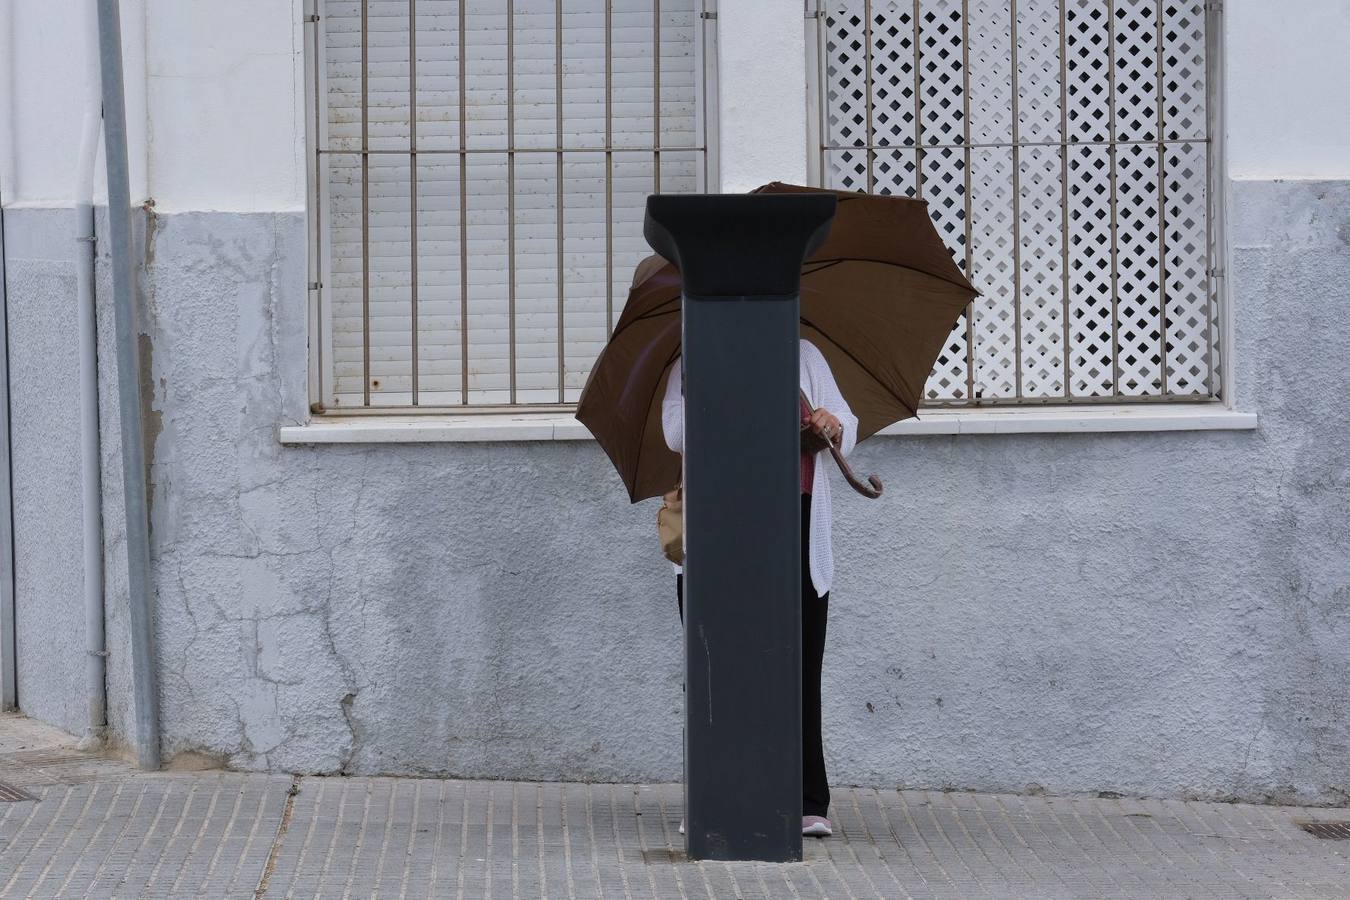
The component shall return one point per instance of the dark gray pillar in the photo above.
(740, 260)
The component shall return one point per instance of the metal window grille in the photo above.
(1064, 148)
(480, 169)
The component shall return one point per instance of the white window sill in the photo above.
(562, 427)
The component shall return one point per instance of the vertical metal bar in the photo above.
(970, 256)
(918, 106)
(1219, 383)
(609, 167)
(703, 127)
(1016, 208)
(558, 125)
(867, 79)
(1064, 192)
(9, 694)
(1111, 150)
(321, 223)
(1215, 240)
(463, 215)
(707, 87)
(96, 685)
(816, 93)
(711, 74)
(656, 96)
(412, 181)
(365, 205)
(1162, 211)
(511, 194)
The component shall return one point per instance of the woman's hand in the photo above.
(820, 431)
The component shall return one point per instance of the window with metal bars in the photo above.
(480, 172)
(1064, 148)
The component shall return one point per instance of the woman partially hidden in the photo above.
(826, 420)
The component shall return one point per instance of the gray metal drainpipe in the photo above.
(9, 670)
(9, 689)
(144, 670)
(91, 462)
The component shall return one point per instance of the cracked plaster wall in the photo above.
(1163, 614)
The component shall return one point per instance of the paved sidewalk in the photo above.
(98, 828)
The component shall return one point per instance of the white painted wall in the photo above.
(1288, 115)
(214, 102)
(47, 59)
(1287, 72)
(761, 93)
(226, 104)
(222, 86)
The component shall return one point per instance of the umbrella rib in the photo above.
(835, 260)
(820, 266)
(912, 411)
(649, 314)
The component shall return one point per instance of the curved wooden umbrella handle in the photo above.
(872, 489)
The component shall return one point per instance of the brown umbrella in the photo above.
(878, 299)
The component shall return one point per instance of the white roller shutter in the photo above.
(487, 268)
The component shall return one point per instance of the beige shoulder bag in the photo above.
(670, 525)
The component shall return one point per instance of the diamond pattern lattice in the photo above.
(1188, 354)
(1139, 327)
(944, 187)
(1041, 267)
(893, 81)
(1038, 94)
(846, 91)
(989, 39)
(1184, 70)
(895, 172)
(1091, 324)
(941, 72)
(1092, 260)
(992, 266)
(847, 170)
(1136, 70)
(1087, 41)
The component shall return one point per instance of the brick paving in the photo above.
(99, 828)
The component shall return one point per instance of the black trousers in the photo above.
(815, 787)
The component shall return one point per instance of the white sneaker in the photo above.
(812, 826)
(816, 826)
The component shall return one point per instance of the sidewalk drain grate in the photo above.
(10, 794)
(1331, 831)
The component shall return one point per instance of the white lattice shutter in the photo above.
(1063, 149)
(540, 286)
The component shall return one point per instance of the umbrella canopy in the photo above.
(878, 299)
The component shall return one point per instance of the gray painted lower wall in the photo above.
(1164, 614)
(45, 417)
(44, 400)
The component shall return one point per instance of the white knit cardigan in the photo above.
(818, 383)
